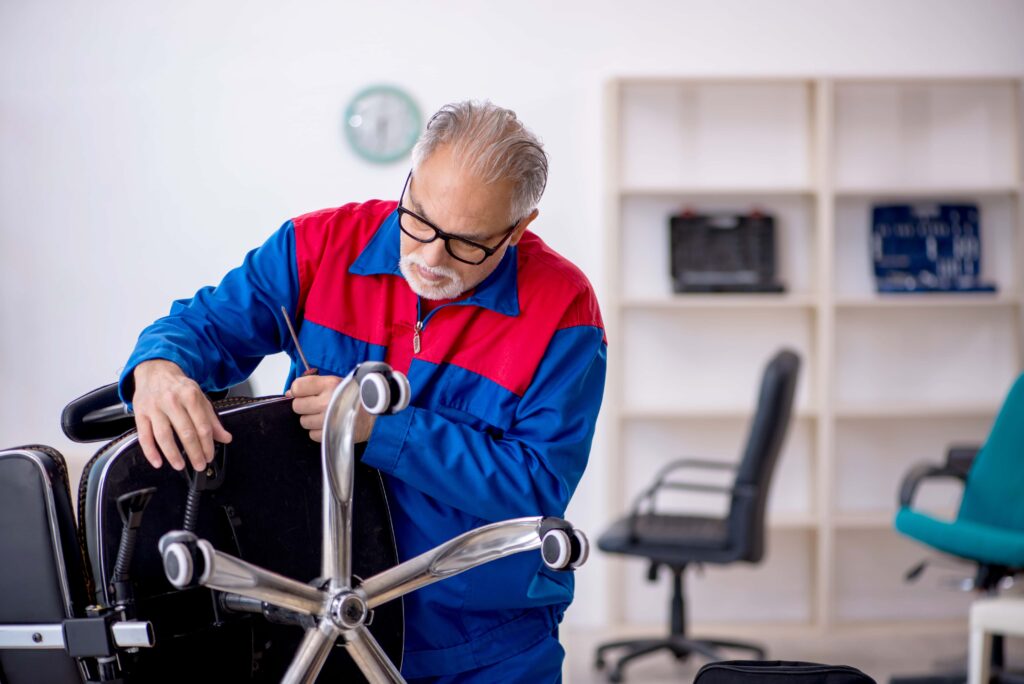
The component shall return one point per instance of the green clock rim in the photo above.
(376, 90)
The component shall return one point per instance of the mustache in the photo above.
(421, 263)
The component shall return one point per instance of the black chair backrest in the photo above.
(764, 442)
(263, 505)
(42, 573)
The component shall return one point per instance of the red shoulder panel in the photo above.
(553, 294)
(326, 244)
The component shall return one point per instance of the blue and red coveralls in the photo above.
(506, 389)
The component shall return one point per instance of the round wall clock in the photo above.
(382, 123)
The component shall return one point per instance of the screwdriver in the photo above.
(295, 339)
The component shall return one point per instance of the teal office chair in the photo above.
(989, 527)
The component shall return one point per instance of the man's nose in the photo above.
(434, 253)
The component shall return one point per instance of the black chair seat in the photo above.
(42, 579)
(658, 537)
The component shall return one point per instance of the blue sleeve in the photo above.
(533, 468)
(220, 335)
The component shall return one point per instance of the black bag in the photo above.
(778, 672)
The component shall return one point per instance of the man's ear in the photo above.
(517, 234)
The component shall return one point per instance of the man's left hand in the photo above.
(311, 394)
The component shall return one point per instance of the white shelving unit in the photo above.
(887, 381)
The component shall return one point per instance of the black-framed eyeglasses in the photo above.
(461, 249)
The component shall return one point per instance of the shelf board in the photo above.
(927, 192)
(877, 520)
(722, 413)
(864, 520)
(767, 300)
(928, 300)
(900, 411)
(771, 300)
(671, 191)
(791, 520)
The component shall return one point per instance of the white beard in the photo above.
(448, 288)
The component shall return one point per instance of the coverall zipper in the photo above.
(421, 321)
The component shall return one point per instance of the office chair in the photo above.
(676, 541)
(989, 527)
(201, 576)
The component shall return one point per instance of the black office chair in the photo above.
(675, 541)
(201, 576)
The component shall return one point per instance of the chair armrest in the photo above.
(693, 463)
(696, 487)
(921, 472)
(99, 415)
(659, 483)
(741, 490)
(961, 457)
(96, 415)
(659, 479)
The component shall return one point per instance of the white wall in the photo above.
(144, 147)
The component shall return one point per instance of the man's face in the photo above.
(460, 205)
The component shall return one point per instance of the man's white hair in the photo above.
(492, 144)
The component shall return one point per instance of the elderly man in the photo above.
(501, 339)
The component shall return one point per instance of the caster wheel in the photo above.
(599, 663)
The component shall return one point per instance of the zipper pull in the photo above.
(416, 338)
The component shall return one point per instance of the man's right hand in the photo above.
(167, 402)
